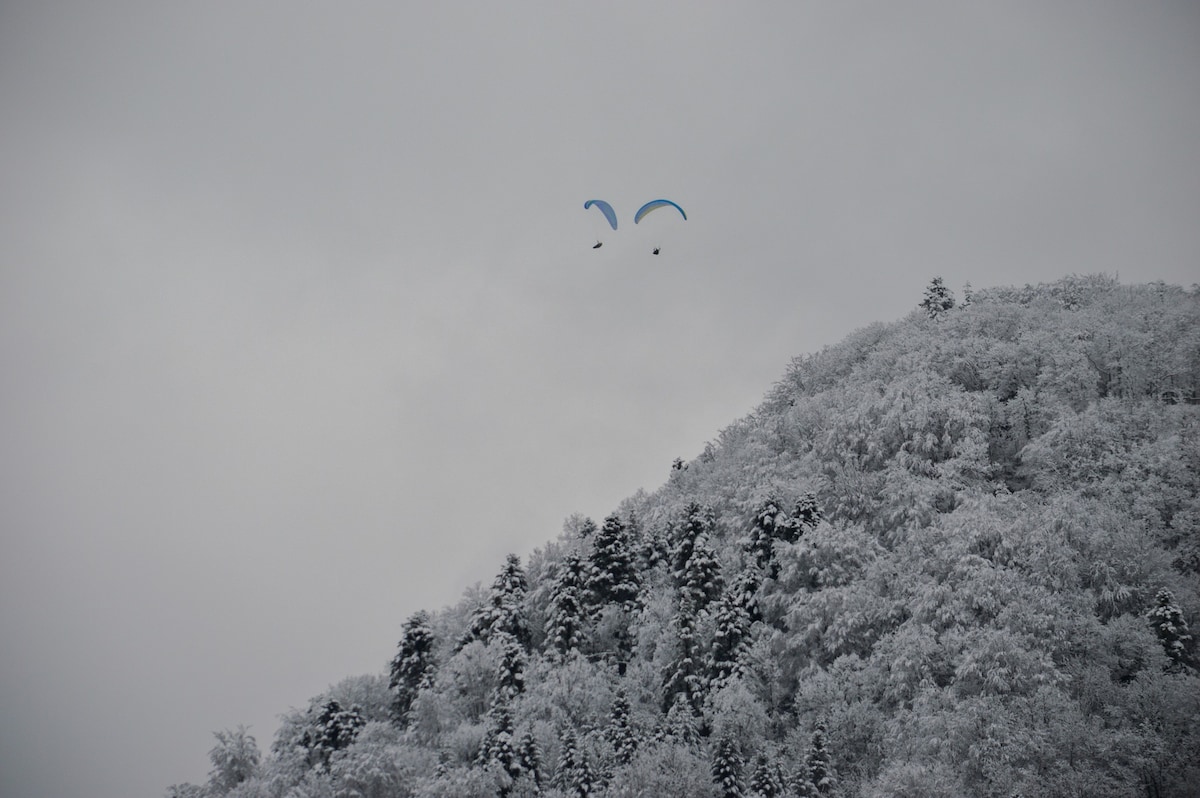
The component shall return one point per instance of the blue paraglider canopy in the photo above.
(604, 208)
(653, 205)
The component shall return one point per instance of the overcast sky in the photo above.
(301, 327)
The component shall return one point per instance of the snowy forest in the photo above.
(953, 555)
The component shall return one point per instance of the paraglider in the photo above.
(654, 205)
(608, 212)
(604, 208)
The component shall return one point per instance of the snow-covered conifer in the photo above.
(760, 545)
(565, 621)
(682, 722)
(683, 674)
(620, 732)
(682, 536)
(504, 610)
(727, 769)
(575, 775)
(413, 667)
(731, 638)
(817, 764)
(764, 782)
(702, 582)
(510, 670)
(529, 757)
(807, 513)
(938, 298)
(499, 746)
(334, 728)
(1171, 627)
(612, 577)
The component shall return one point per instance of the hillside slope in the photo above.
(953, 555)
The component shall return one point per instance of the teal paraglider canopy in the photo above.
(604, 208)
(653, 205)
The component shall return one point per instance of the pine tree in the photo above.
(575, 775)
(620, 733)
(727, 769)
(683, 674)
(765, 780)
(770, 523)
(529, 756)
(565, 617)
(744, 593)
(413, 667)
(820, 772)
(804, 518)
(510, 671)
(702, 582)
(585, 782)
(335, 728)
(807, 513)
(1166, 617)
(613, 585)
(731, 639)
(504, 610)
(681, 724)
(761, 543)
(498, 747)
(697, 520)
(613, 573)
(802, 786)
(938, 298)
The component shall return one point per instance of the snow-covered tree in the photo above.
(806, 516)
(681, 724)
(938, 298)
(764, 782)
(566, 616)
(1168, 622)
(529, 757)
(702, 582)
(413, 667)
(731, 637)
(683, 676)
(727, 769)
(499, 746)
(612, 576)
(575, 774)
(510, 671)
(770, 523)
(817, 764)
(697, 521)
(504, 610)
(620, 732)
(333, 729)
(760, 544)
(234, 758)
